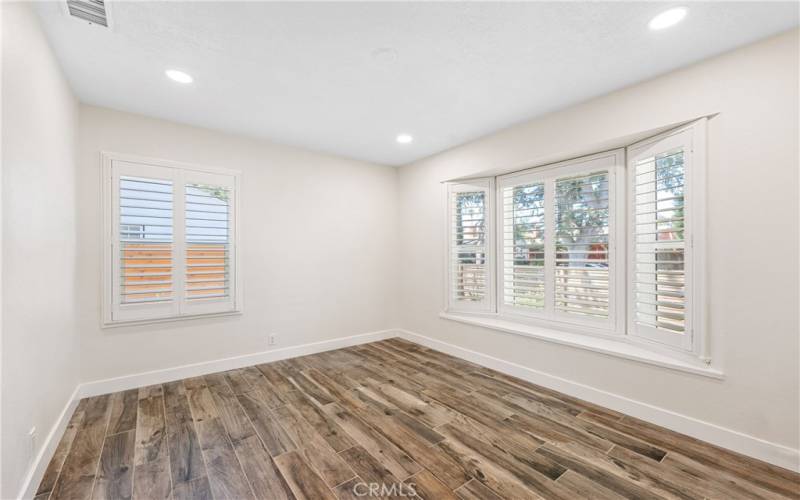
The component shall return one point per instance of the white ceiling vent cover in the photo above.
(90, 11)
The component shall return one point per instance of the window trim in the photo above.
(108, 211)
(695, 360)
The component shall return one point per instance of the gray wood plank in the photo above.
(304, 482)
(151, 475)
(115, 474)
(64, 445)
(80, 467)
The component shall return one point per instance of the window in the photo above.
(666, 206)
(171, 249)
(557, 255)
(469, 246)
(603, 245)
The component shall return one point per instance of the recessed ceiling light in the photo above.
(668, 18)
(404, 138)
(179, 76)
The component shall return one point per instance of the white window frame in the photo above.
(115, 314)
(619, 338)
(487, 305)
(692, 139)
(614, 163)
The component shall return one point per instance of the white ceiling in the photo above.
(307, 74)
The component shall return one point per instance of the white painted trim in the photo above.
(125, 382)
(773, 453)
(46, 452)
(595, 340)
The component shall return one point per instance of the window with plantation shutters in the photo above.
(470, 246)
(172, 246)
(607, 245)
(556, 257)
(661, 239)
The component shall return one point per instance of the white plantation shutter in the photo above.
(661, 256)
(523, 253)
(582, 245)
(209, 242)
(171, 249)
(143, 242)
(557, 255)
(469, 254)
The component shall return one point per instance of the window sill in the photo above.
(617, 348)
(117, 324)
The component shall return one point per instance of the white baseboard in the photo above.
(773, 453)
(40, 463)
(133, 381)
(98, 387)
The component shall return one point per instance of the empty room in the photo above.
(383, 250)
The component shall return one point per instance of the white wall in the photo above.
(318, 247)
(39, 352)
(752, 237)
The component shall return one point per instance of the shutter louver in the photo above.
(582, 252)
(468, 237)
(523, 246)
(207, 242)
(659, 245)
(145, 240)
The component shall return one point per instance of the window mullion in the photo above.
(179, 232)
(549, 247)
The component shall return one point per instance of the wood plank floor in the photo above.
(389, 419)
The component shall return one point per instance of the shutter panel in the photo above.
(524, 245)
(209, 252)
(660, 256)
(469, 246)
(145, 239)
(143, 242)
(582, 245)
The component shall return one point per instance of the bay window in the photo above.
(604, 245)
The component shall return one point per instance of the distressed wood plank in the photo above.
(330, 431)
(64, 445)
(151, 476)
(301, 478)
(225, 475)
(115, 473)
(393, 458)
(196, 489)
(271, 433)
(476, 490)
(124, 406)
(260, 470)
(427, 487)
(315, 450)
(185, 455)
(80, 467)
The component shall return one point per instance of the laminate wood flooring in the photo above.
(389, 419)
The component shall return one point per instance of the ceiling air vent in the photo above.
(91, 11)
